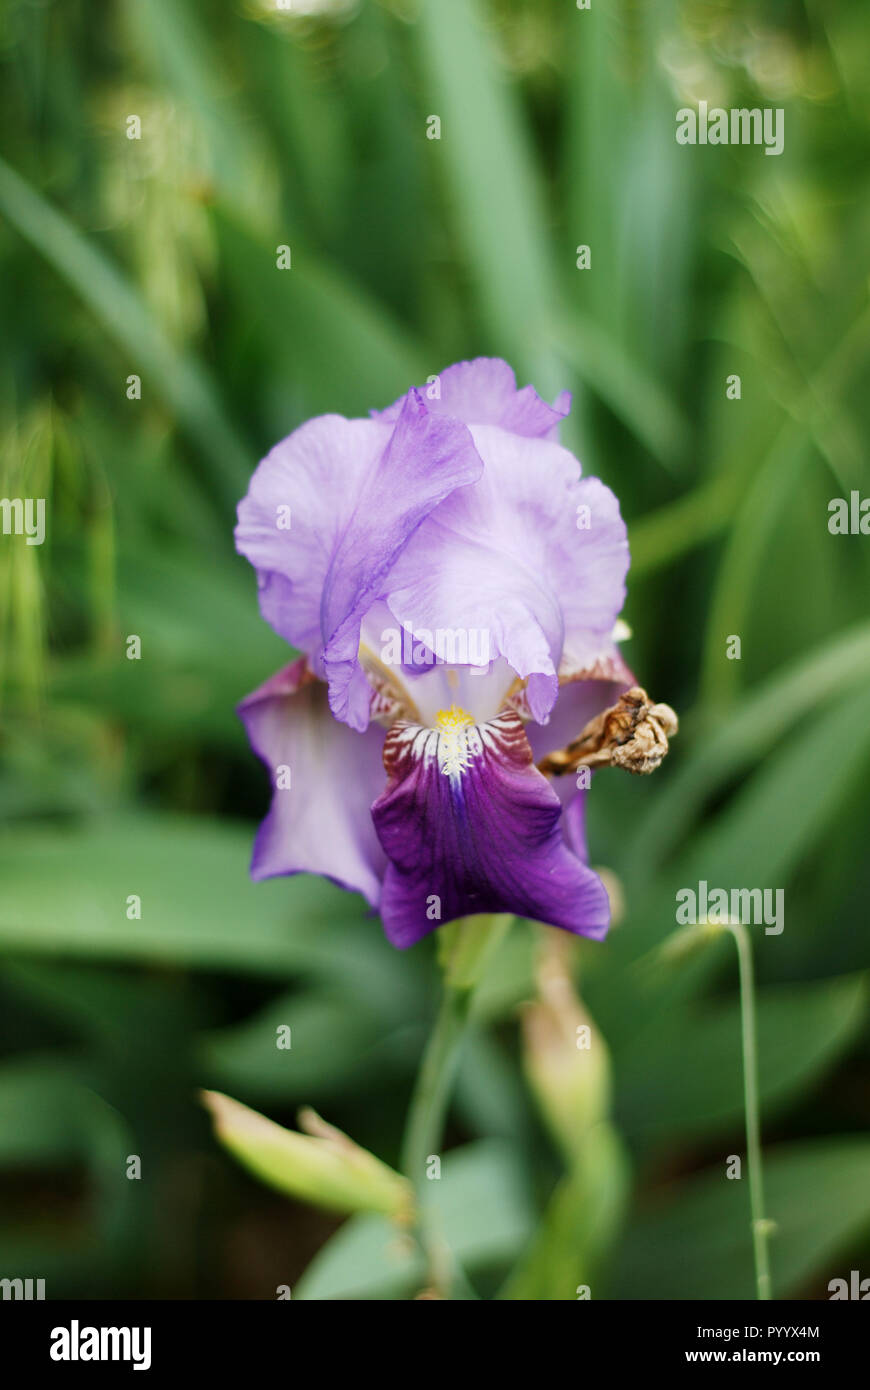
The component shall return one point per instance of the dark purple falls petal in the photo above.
(482, 836)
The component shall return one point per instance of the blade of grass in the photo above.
(179, 378)
(764, 717)
(491, 173)
(636, 398)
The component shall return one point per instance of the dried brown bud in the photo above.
(632, 734)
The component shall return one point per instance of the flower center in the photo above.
(453, 726)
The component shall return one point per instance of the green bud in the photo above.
(565, 1058)
(323, 1167)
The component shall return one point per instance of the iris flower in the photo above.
(453, 585)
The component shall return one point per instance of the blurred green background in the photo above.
(157, 257)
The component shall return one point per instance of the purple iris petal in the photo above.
(574, 823)
(581, 698)
(321, 822)
(484, 392)
(356, 491)
(470, 825)
(508, 557)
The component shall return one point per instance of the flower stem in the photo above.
(434, 1080)
(761, 1227)
(465, 947)
(425, 1125)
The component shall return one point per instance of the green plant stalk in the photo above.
(425, 1124)
(465, 946)
(760, 1225)
(434, 1081)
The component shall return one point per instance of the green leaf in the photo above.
(665, 535)
(695, 1242)
(688, 1078)
(65, 893)
(189, 675)
(336, 1043)
(492, 176)
(180, 379)
(764, 716)
(623, 384)
(749, 542)
(46, 1114)
(480, 1209)
(324, 338)
(49, 1119)
(366, 1259)
(761, 836)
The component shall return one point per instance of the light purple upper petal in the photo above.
(484, 392)
(321, 823)
(357, 490)
(507, 556)
(483, 837)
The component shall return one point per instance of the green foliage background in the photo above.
(157, 257)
